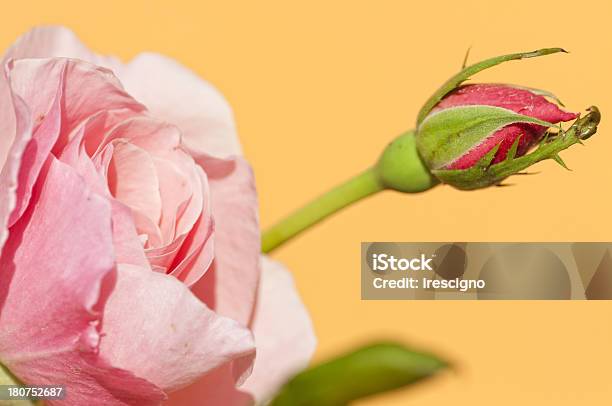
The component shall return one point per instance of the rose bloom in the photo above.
(130, 267)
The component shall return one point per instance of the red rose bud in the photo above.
(474, 136)
(519, 100)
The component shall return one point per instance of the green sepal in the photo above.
(367, 371)
(401, 168)
(486, 160)
(471, 70)
(511, 154)
(450, 133)
(482, 175)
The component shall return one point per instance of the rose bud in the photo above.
(474, 136)
(452, 112)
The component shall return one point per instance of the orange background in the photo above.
(320, 87)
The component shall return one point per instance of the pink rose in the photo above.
(130, 265)
(517, 99)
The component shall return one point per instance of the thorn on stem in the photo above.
(558, 160)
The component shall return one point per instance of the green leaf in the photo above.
(446, 135)
(367, 371)
(478, 177)
(466, 73)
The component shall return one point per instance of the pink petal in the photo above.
(283, 332)
(88, 90)
(184, 99)
(195, 181)
(176, 190)
(161, 258)
(132, 179)
(155, 327)
(41, 42)
(285, 343)
(92, 90)
(54, 41)
(216, 388)
(146, 132)
(9, 172)
(230, 285)
(197, 252)
(180, 184)
(90, 381)
(39, 84)
(47, 120)
(75, 156)
(128, 249)
(8, 119)
(51, 302)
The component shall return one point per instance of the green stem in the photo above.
(356, 188)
